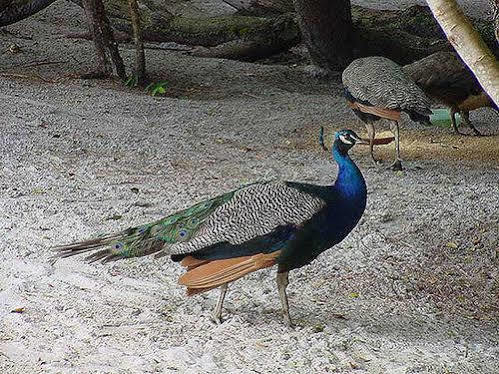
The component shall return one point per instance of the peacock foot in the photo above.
(288, 322)
(217, 319)
(376, 162)
(396, 166)
(476, 132)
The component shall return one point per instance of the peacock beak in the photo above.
(361, 141)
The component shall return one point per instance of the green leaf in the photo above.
(156, 88)
(132, 81)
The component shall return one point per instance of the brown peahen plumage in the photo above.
(377, 88)
(445, 78)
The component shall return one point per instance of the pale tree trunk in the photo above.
(494, 4)
(468, 44)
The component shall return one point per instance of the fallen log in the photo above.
(12, 11)
(402, 35)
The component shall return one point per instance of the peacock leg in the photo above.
(394, 128)
(466, 116)
(217, 312)
(282, 283)
(371, 133)
(453, 119)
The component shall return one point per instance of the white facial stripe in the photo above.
(344, 140)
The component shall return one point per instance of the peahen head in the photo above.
(346, 139)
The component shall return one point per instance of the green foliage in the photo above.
(132, 81)
(156, 88)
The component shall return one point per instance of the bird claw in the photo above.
(288, 321)
(216, 319)
(396, 166)
(476, 132)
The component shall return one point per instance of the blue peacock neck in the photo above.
(350, 185)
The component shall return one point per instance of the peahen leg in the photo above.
(282, 283)
(371, 133)
(394, 128)
(453, 119)
(466, 116)
(217, 312)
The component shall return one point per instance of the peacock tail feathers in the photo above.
(132, 242)
(260, 214)
(182, 226)
(155, 237)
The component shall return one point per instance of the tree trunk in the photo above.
(326, 28)
(494, 4)
(140, 59)
(108, 56)
(468, 44)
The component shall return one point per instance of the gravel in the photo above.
(413, 289)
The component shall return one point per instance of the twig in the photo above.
(25, 76)
(14, 75)
(179, 48)
(43, 62)
(321, 139)
(232, 5)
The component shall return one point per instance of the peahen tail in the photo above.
(132, 242)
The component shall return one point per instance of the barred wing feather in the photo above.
(383, 83)
(252, 212)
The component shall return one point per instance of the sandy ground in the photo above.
(413, 289)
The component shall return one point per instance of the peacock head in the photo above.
(346, 139)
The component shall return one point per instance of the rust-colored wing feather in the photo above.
(205, 275)
(190, 262)
(380, 112)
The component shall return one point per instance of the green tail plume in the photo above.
(133, 242)
(150, 238)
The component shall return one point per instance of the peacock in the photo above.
(444, 77)
(253, 227)
(376, 88)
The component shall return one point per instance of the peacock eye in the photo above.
(118, 245)
(182, 233)
(141, 230)
(170, 220)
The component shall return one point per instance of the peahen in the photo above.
(376, 88)
(251, 228)
(444, 77)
